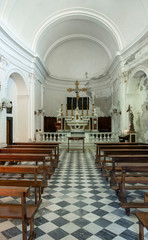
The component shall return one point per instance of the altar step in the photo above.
(77, 146)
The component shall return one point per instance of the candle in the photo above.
(66, 111)
(71, 109)
(87, 109)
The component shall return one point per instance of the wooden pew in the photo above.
(143, 222)
(21, 211)
(17, 169)
(119, 146)
(98, 145)
(52, 144)
(53, 148)
(29, 158)
(125, 159)
(129, 164)
(33, 151)
(106, 168)
(132, 167)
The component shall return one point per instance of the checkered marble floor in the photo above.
(78, 204)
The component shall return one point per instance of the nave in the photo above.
(77, 205)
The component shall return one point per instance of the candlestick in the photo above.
(92, 109)
(61, 109)
(87, 109)
(71, 109)
(66, 111)
(82, 109)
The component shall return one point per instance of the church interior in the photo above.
(73, 119)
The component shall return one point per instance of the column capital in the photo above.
(3, 61)
(32, 75)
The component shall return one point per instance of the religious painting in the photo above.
(69, 102)
(74, 103)
(80, 103)
(85, 103)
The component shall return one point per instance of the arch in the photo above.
(17, 72)
(132, 75)
(76, 36)
(17, 92)
(137, 97)
(82, 13)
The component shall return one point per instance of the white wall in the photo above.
(73, 58)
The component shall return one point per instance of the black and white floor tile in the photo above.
(77, 205)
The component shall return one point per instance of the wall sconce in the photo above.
(115, 110)
(5, 103)
(39, 112)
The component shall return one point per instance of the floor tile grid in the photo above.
(78, 204)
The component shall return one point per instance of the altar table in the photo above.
(76, 138)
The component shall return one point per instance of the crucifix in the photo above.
(77, 90)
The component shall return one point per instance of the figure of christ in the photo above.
(77, 90)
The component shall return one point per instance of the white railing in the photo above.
(89, 137)
(103, 137)
(51, 137)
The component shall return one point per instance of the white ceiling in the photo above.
(43, 25)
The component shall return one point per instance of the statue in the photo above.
(77, 114)
(131, 119)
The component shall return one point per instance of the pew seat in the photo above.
(20, 211)
(17, 169)
(143, 222)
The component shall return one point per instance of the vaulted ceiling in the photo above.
(106, 27)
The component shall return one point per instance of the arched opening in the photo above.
(17, 93)
(138, 101)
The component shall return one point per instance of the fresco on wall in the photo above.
(138, 98)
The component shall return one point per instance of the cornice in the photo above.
(77, 36)
(22, 51)
(82, 12)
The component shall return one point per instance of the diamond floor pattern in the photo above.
(77, 205)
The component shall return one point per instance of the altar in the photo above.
(77, 121)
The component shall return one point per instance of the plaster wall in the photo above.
(74, 58)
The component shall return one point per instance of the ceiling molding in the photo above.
(83, 13)
(77, 36)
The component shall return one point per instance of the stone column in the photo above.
(123, 117)
(42, 105)
(32, 82)
(3, 88)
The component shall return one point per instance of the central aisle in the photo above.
(79, 204)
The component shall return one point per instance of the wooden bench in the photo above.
(44, 144)
(143, 222)
(128, 167)
(29, 159)
(106, 167)
(33, 151)
(17, 169)
(21, 211)
(52, 148)
(118, 158)
(107, 144)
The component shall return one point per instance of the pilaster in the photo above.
(32, 81)
(3, 88)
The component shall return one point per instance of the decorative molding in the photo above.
(77, 36)
(24, 57)
(3, 61)
(85, 13)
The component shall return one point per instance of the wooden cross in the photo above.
(77, 90)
